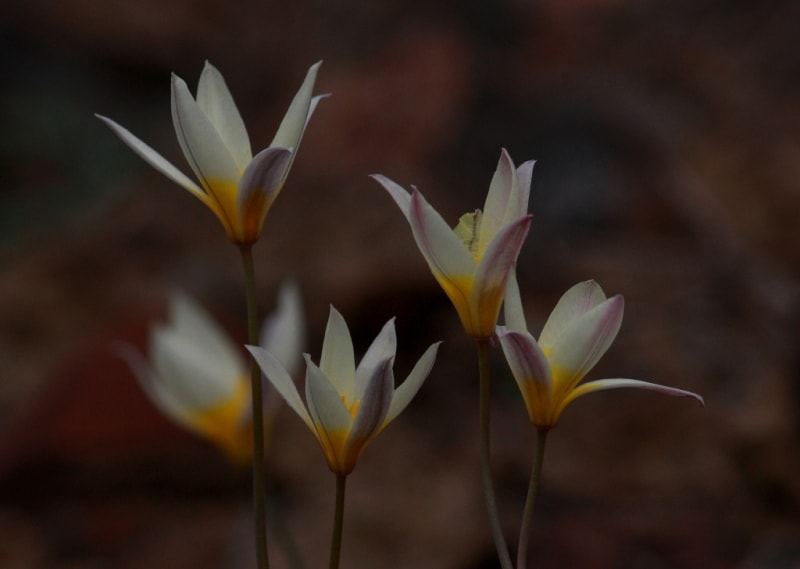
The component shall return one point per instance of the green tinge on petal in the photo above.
(337, 361)
(603, 384)
(294, 122)
(202, 145)
(282, 381)
(216, 102)
(154, 158)
(408, 389)
(578, 300)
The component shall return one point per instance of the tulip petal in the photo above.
(154, 158)
(259, 186)
(283, 332)
(603, 384)
(583, 343)
(193, 323)
(513, 311)
(294, 122)
(398, 193)
(501, 188)
(578, 300)
(382, 349)
(519, 206)
(531, 370)
(216, 102)
(202, 145)
(282, 382)
(337, 361)
(408, 389)
(331, 417)
(372, 408)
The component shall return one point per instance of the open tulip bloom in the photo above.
(198, 377)
(578, 332)
(347, 406)
(472, 262)
(237, 186)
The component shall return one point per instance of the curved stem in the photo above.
(338, 521)
(533, 487)
(259, 490)
(486, 470)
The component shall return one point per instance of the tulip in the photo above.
(472, 262)
(238, 187)
(578, 332)
(347, 406)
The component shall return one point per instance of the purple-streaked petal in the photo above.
(216, 102)
(154, 158)
(383, 348)
(501, 188)
(408, 389)
(337, 361)
(530, 369)
(372, 408)
(294, 122)
(202, 145)
(524, 177)
(603, 384)
(513, 311)
(398, 193)
(282, 382)
(583, 343)
(574, 303)
(259, 186)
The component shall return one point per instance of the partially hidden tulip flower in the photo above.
(238, 187)
(472, 262)
(347, 406)
(578, 332)
(199, 378)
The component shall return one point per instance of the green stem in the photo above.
(533, 487)
(338, 521)
(486, 470)
(259, 490)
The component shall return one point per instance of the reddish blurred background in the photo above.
(668, 144)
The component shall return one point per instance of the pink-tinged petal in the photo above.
(604, 384)
(294, 122)
(283, 332)
(408, 389)
(577, 301)
(372, 409)
(531, 370)
(445, 253)
(282, 382)
(583, 343)
(202, 145)
(337, 361)
(382, 349)
(154, 158)
(513, 311)
(520, 205)
(196, 325)
(398, 193)
(501, 190)
(216, 102)
(492, 274)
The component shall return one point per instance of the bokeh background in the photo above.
(667, 136)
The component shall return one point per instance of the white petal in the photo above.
(202, 145)
(325, 402)
(529, 367)
(603, 384)
(383, 348)
(513, 310)
(294, 122)
(153, 158)
(284, 331)
(503, 184)
(399, 194)
(337, 361)
(195, 324)
(408, 389)
(282, 381)
(216, 102)
(584, 342)
(576, 301)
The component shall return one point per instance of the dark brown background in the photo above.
(666, 135)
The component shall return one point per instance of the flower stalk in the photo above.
(338, 521)
(530, 500)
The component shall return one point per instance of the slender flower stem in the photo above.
(259, 481)
(486, 470)
(338, 521)
(533, 487)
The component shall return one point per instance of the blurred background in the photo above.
(667, 137)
